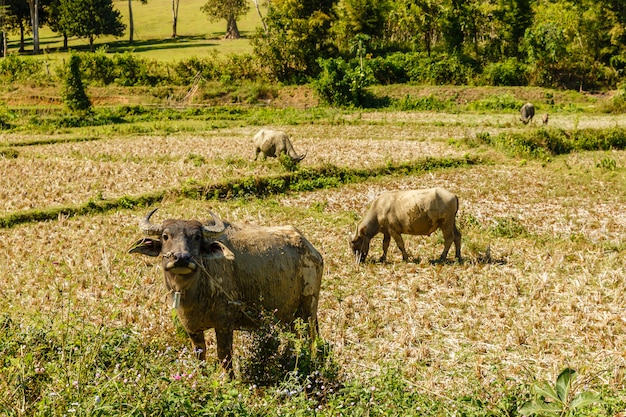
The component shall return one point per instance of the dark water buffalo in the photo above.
(222, 276)
(527, 112)
(410, 212)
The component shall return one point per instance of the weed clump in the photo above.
(8, 153)
(277, 356)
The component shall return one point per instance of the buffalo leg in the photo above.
(457, 242)
(199, 345)
(386, 240)
(224, 339)
(448, 237)
(400, 242)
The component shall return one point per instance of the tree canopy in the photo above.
(89, 19)
(229, 10)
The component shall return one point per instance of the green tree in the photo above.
(90, 19)
(55, 22)
(17, 19)
(73, 93)
(570, 44)
(367, 17)
(230, 10)
(514, 16)
(298, 33)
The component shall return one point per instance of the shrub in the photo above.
(497, 103)
(15, 68)
(186, 70)
(276, 355)
(97, 67)
(442, 69)
(390, 69)
(130, 70)
(430, 103)
(340, 84)
(508, 73)
(73, 93)
(241, 67)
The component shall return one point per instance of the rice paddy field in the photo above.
(86, 330)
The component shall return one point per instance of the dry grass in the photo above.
(72, 173)
(547, 298)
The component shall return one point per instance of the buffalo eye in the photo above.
(166, 236)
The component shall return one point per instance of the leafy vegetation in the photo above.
(560, 399)
(544, 143)
(73, 93)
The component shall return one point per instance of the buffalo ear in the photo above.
(146, 246)
(217, 250)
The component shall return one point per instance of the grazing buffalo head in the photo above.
(360, 244)
(181, 243)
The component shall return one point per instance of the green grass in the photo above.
(196, 36)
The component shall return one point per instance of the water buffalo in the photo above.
(222, 276)
(527, 112)
(271, 143)
(411, 212)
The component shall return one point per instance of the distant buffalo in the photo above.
(527, 113)
(272, 143)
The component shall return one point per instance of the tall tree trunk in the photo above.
(36, 28)
(232, 31)
(258, 10)
(131, 23)
(22, 49)
(33, 5)
(174, 16)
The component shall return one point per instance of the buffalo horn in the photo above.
(216, 228)
(148, 227)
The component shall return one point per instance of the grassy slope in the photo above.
(153, 30)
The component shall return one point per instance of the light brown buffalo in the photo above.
(223, 276)
(271, 143)
(411, 212)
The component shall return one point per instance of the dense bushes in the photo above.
(13, 68)
(543, 143)
(341, 83)
(129, 70)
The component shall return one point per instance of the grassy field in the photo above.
(85, 329)
(196, 35)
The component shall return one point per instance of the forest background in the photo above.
(343, 46)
